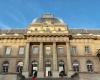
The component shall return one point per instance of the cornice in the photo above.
(47, 34)
(12, 37)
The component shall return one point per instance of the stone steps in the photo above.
(50, 79)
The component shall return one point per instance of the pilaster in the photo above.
(69, 62)
(41, 70)
(55, 68)
(26, 61)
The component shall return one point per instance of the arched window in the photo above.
(89, 65)
(19, 67)
(76, 66)
(5, 66)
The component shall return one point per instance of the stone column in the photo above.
(41, 70)
(2, 49)
(55, 68)
(26, 61)
(69, 63)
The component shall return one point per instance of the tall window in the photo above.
(48, 50)
(5, 66)
(8, 50)
(87, 49)
(89, 65)
(20, 67)
(73, 50)
(76, 66)
(35, 49)
(60, 50)
(21, 50)
(47, 29)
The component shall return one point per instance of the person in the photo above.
(20, 77)
(61, 74)
(23, 77)
(34, 76)
(49, 73)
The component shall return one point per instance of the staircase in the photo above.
(50, 79)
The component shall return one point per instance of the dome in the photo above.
(48, 18)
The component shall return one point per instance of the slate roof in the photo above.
(71, 31)
(84, 31)
(13, 31)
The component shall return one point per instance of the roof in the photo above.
(48, 18)
(71, 31)
(84, 31)
(13, 31)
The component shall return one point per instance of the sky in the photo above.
(83, 14)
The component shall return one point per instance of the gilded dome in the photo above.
(48, 18)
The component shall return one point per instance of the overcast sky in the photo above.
(75, 13)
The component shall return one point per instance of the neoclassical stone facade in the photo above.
(50, 48)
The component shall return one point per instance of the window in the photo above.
(87, 49)
(76, 66)
(98, 53)
(48, 50)
(73, 50)
(98, 50)
(21, 50)
(5, 66)
(89, 65)
(35, 49)
(60, 50)
(20, 67)
(36, 29)
(46, 26)
(48, 29)
(8, 50)
(59, 29)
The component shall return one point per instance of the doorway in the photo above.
(48, 72)
(34, 68)
(61, 68)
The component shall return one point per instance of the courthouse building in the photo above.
(47, 46)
